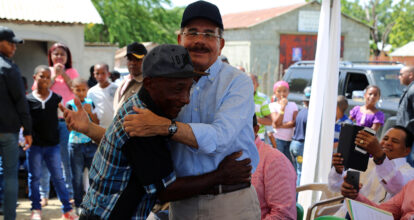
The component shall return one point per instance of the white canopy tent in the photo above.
(322, 109)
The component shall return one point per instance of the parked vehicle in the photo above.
(354, 77)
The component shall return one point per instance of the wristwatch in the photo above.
(172, 129)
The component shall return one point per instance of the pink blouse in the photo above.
(275, 183)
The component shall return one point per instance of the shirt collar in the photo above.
(137, 78)
(5, 57)
(400, 161)
(214, 69)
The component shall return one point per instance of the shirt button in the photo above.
(198, 88)
(195, 109)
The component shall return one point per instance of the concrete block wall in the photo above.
(264, 41)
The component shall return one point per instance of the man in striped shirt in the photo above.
(262, 111)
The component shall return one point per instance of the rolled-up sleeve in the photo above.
(393, 179)
(235, 112)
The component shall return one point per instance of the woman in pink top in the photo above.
(283, 114)
(60, 64)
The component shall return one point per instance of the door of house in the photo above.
(296, 47)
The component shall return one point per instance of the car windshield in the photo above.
(388, 82)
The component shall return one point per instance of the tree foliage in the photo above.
(403, 30)
(391, 22)
(126, 21)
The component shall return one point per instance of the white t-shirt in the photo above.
(103, 98)
(284, 133)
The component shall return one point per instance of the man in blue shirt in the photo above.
(129, 173)
(216, 122)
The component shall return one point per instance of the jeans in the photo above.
(81, 156)
(9, 151)
(283, 146)
(44, 182)
(51, 155)
(64, 154)
(296, 150)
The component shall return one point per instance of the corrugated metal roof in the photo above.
(55, 11)
(404, 51)
(250, 18)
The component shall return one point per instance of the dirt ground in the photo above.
(50, 212)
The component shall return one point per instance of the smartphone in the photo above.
(352, 177)
(371, 132)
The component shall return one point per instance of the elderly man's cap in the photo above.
(137, 50)
(7, 34)
(170, 61)
(202, 9)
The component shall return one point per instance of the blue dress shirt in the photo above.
(220, 114)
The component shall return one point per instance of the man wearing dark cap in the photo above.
(14, 113)
(216, 122)
(128, 173)
(133, 82)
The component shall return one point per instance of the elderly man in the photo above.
(216, 122)
(387, 172)
(14, 114)
(128, 173)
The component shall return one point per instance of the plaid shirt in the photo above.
(110, 170)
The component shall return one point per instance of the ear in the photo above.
(179, 38)
(222, 43)
(407, 151)
(256, 129)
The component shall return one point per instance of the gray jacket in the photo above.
(14, 109)
(406, 107)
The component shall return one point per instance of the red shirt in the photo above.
(275, 183)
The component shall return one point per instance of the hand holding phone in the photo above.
(352, 177)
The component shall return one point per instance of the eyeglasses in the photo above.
(195, 34)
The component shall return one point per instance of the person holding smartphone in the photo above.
(388, 170)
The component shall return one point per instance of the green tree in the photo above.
(126, 21)
(378, 14)
(402, 31)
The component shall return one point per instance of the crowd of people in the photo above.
(184, 127)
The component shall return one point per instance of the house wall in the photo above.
(71, 35)
(264, 44)
(28, 56)
(98, 54)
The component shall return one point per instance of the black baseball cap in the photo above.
(137, 50)
(202, 9)
(7, 34)
(171, 61)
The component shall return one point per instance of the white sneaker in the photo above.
(36, 215)
(71, 215)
